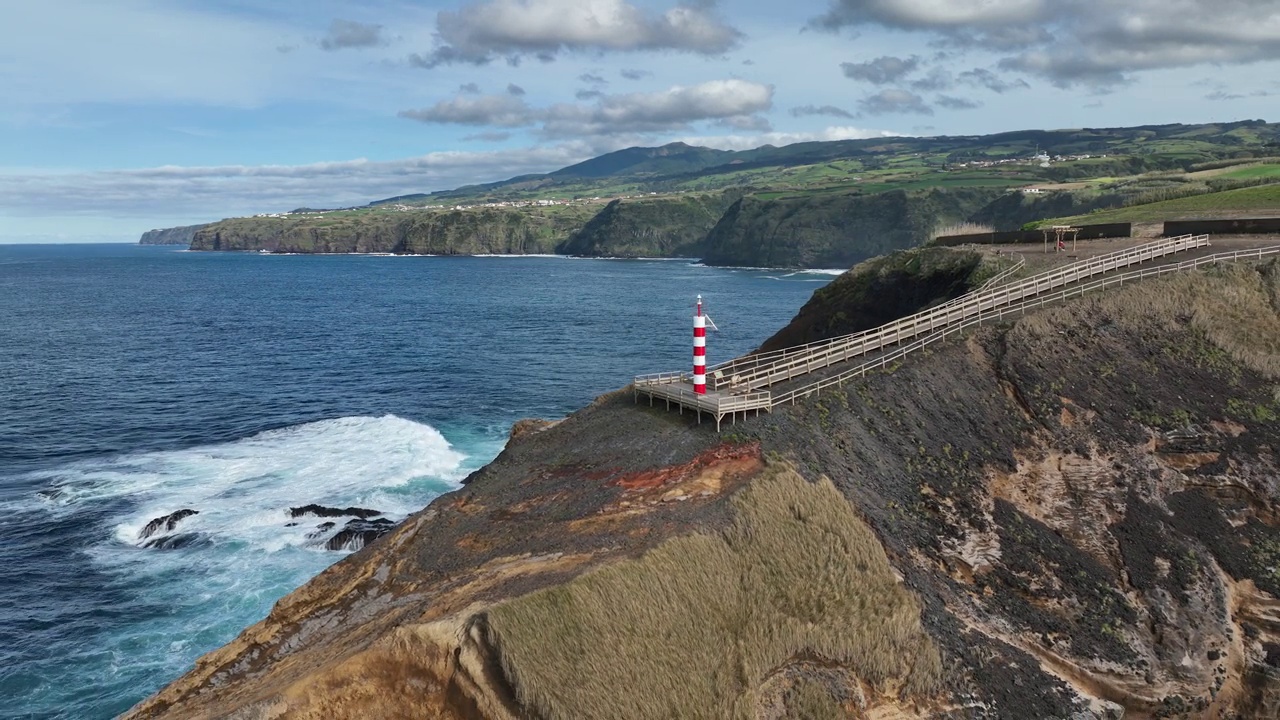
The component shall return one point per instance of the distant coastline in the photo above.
(171, 236)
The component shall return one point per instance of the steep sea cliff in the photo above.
(835, 230)
(722, 228)
(1072, 514)
(170, 236)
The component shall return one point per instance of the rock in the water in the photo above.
(165, 523)
(174, 542)
(324, 511)
(320, 530)
(358, 533)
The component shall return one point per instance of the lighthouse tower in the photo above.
(699, 350)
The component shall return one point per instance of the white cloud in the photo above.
(894, 100)
(882, 70)
(351, 34)
(1087, 42)
(229, 190)
(747, 142)
(507, 111)
(931, 14)
(733, 101)
(833, 111)
(483, 31)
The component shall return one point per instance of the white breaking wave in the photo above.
(517, 255)
(187, 601)
(243, 490)
(821, 271)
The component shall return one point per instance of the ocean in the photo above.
(138, 381)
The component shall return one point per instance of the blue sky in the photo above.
(122, 116)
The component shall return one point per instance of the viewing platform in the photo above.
(741, 385)
(718, 404)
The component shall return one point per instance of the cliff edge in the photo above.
(1069, 515)
(170, 236)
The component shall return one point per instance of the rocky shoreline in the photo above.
(362, 527)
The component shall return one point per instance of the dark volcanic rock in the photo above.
(174, 542)
(320, 530)
(165, 523)
(323, 511)
(358, 533)
(880, 291)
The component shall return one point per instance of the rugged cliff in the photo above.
(884, 289)
(658, 227)
(480, 231)
(809, 230)
(1070, 515)
(170, 236)
(1013, 210)
(835, 230)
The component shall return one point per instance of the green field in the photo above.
(1263, 200)
(1253, 171)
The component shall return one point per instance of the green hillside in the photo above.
(814, 204)
(1260, 201)
(883, 164)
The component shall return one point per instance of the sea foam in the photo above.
(177, 604)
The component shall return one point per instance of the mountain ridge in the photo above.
(821, 189)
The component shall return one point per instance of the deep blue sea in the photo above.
(137, 381)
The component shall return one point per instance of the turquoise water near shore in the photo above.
(137, 381)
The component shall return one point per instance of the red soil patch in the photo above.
(744, 458)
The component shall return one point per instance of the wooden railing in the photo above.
(662, 378)
(756, 371)
(1000, 312)
(724, 372)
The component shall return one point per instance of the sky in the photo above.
(118, 117)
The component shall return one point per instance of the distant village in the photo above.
(401, 207)
(1042, 159)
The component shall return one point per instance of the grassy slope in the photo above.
(1254, 171)
(1262, 200)
(799, 574)
(888, 163)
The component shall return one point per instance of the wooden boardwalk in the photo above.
(739, 386)
(716, 403)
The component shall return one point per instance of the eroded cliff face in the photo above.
(170, 236)
(458, 232)
(1070, 515)
(835, 230)
(650, 228)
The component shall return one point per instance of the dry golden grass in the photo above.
(963, 228)
(691, 629)
(1235, 306)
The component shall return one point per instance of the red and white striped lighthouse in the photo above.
(699, 350)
